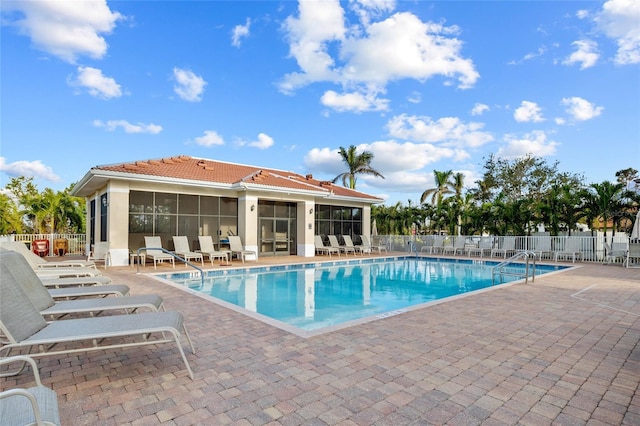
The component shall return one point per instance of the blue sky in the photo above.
(422, 85)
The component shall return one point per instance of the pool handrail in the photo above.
(526, 255)
(200, 271)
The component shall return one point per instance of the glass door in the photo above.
(267, 237)
(277, 228)
(282, 236)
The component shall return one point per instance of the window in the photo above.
(338, 220)
(166, 215)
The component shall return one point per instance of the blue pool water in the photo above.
(315, 296)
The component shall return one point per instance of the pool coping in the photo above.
(347, 324)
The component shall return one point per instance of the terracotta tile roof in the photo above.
(205, 170)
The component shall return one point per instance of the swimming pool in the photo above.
(317, 296)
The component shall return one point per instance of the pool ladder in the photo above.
(501, 269)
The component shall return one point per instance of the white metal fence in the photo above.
(76, 244)
(590, 248)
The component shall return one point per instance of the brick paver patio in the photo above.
(564, 351)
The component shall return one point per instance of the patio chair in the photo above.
(38, 262)
(358, 248)
(484, 247)
(26, 329)
(235, 244)
(348, 243)
(571, 250)
(37, 405)
(117, 290)
(456, 247)
(208, 249)
(366, 242)
(322, 249)
(74, 281)
(14, 267)
(182, 249)
(52, 272)
(507, 248)
(157, 255)
(633, 254)
(615, 251)
(100, 253)
(333, 241)
(542, 246)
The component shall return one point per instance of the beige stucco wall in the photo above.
(118, 214)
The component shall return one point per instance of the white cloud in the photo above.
(210, 138)
(188, 85)
(450, 131)
(402, 46)
(96, 83)
(534, 144)
(415, 97)
(318, 23)
(529, 56)
(369, 9)
(586, 54)
(582, 13)
(264, 141)
(528, 112)
(239, 32)
(112, 125)
(479, 109)
(28, 169)
(355, 102)
(619, 20)
(581, 109)
(369, 55)
(66, 29)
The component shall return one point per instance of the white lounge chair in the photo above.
(39, 263)
(158, 256)
(484, 247)
(542, 247)
(208, 249)
(633, 256)
(100, 253)
(182, 249)
(615, 251)
(14, 267)
(50, 282)
(322, 249)
(24, 328)
(348, 242)
(571, 250)
(235, 244)
(37, 405)
(456, 247)
(366, 242)
(48, 272)
(507, 248)
(333, 241)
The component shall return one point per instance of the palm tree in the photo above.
(443, 187)
(605, 199)
(357, 164)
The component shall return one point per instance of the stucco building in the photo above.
(275, 212)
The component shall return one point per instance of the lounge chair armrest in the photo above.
(25, 359)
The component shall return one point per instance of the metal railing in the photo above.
(502, 269)
(591, 247)
(175, 256)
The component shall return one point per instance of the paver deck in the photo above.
(564, 350)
